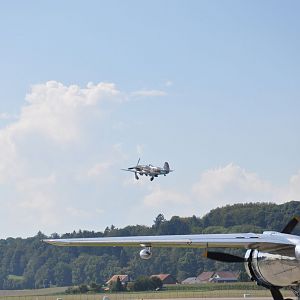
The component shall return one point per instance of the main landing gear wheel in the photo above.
(151, 179)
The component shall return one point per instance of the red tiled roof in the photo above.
(208, 276)
(226, 274)
(123, 278)
(190, 280)
(205, 276)
(163, 277)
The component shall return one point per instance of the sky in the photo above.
(89, 87)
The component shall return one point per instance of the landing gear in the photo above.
(276, 294)
(136, 177)
(151, 179)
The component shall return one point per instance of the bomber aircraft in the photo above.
(149, 170)
(272, 258)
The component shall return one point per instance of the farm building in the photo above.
(123, 278)
(190, 280)
(165, 278)
(218, 276)
(224, 277)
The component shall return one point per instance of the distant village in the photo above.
(204, 277)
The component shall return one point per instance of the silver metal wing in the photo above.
(130, 170)
(239, 240)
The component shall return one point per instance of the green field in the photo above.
(236, 290)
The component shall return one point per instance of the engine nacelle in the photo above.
(271, 269)
(146, 253)
(297, 251)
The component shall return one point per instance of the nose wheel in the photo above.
(151, 179)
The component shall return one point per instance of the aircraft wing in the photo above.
(240, 240)
(129, 170)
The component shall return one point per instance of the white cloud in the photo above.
(36, 201)
(139, 149)
(168, 83)
(59, 165)
(232, 183)
(99, 169)
(129, 180)
(55, 110)
(54, 116)
(77, 212)
(167, 201)
(104, 169)
(161, 198)
(149, 93)
(6, 116)
(291, 191)
(218, 187)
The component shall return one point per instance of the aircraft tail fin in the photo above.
(167, 167)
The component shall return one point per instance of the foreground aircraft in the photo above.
(272, 258)
(149, 170)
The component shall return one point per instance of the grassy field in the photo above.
(236, 290)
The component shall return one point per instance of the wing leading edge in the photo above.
(243, 240)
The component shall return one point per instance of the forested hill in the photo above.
(29, 263)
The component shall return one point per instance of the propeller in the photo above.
(291, 225)
(135, 167)
(224, 257)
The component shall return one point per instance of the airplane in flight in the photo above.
(149, 170)
(272, 259)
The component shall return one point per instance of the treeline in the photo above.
(29, 263)
(142, 283)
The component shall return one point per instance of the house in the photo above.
(190, 280)
(165, 278)
(219, 276)
(205, 277)
(224, 277)
(123, 278)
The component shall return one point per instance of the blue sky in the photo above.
(88, 87)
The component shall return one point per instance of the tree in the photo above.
(63, 274)
(158, 221)
(187, 266)
(78, 274)
(83, 288)
(144, 283)
(37, 264)
(156, 282)
(117, 286)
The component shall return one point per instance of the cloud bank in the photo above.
(34, 149)
(221, 186)
(60, 168)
